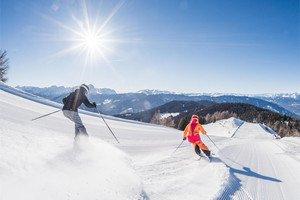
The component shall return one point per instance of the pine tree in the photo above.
(183, 123)
(169, 122)
(156, 119)
(3, 65)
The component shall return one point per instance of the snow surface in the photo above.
(39, 160)
(166, 115)
(224, 128)
(260, 166)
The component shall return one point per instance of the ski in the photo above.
(203, 155)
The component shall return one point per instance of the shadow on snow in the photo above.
(234, 186)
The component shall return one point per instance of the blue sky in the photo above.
(184, 46)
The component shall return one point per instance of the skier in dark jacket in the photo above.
(71, 104)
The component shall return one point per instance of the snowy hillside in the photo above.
(39, 160)
(224, 128)
(233, 128)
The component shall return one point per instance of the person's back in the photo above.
(75, 99)
(71, 104)
(192, 133)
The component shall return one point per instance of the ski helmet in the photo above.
(195, 116)
(195, 119)
(85, 87)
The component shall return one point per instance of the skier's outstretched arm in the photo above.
(64, 100)
(202, 130)
(88, 104)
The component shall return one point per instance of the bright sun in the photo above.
(91, 42)
(88, 37)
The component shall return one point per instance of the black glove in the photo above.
(95, 105)
(184, 138)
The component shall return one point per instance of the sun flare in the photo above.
(88, 36)
(90, 41)
(92, 44)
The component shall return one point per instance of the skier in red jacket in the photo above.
(192, 133)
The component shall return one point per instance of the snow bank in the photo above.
(270, 130)
(237, 128)
(28, 96)
(231, 122)
(224, 128)
(38, 163)
(203, 182)
(253, 130)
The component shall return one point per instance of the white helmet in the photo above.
(85, 87)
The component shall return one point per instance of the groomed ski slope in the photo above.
(260, 166)
(38, 160)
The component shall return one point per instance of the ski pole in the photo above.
(223, 153)
(178, 146)
(45, 115)
(107, 125)
(213, 142)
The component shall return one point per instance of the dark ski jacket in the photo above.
(75, 99)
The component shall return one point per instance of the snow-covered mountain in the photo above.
(113, 103)
(294, 95)
(55, 91)
(39, 160)
(289, 101)
(154, 92)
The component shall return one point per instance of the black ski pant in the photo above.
(198, 151)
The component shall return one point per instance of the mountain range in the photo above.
(112, 103)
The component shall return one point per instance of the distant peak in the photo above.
(62, 89)
(153, 91)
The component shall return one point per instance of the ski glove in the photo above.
(184, 138)
(95, 105)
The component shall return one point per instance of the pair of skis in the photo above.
(203, 155)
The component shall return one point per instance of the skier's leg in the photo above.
(207, 152)
(79, 127)
(74, 117)
(68, 114)
(76, 130)
(204, 148)
(197, 150)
